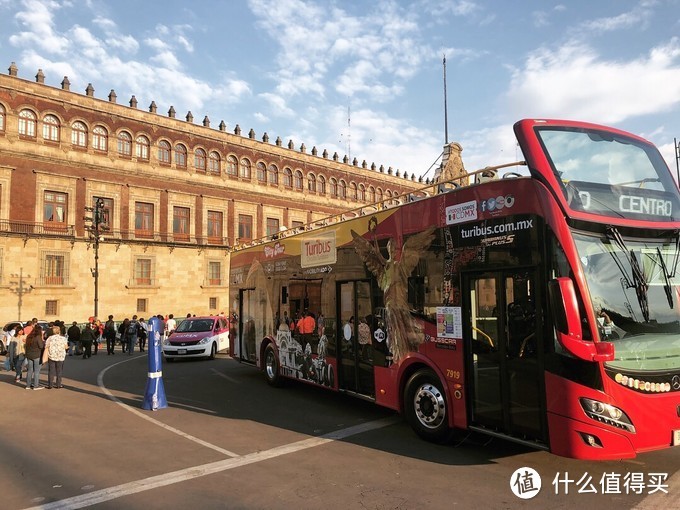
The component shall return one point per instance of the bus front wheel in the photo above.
(425, 407)
(271, 366)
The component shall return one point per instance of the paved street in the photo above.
(227, 440)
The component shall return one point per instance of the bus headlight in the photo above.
(606, 413)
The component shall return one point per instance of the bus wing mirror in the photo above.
(567, 318)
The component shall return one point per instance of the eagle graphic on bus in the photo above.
(404, 334)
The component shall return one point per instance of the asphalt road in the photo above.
(227, 440)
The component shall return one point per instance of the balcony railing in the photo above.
(27, 228)
(32, 228)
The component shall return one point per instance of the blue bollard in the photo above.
(154, 395)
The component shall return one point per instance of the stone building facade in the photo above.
(177, 196)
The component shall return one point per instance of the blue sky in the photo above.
(295, 68)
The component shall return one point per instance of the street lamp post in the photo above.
(95, 229)
(676, 146)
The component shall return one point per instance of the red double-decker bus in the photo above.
(539, 303)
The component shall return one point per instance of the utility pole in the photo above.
(676, 145)
(19, 286)
(96, 228)
(446, 109)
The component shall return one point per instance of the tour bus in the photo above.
(536, 301)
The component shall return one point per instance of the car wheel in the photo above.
(425, 407)
(213, 351)
(271, 366)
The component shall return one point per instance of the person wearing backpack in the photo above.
(131, 334)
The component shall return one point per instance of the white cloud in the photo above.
(575, 82)
(37, 21)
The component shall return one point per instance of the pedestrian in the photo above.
(56, 347)
(17, 349)
(170, 325)
(110, 335)
(73, 335)
(34, 347)
(99, 330)
(87, 338)
(143, 333)
(131, 334)
(122, 331)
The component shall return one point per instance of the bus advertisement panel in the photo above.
(527, 306)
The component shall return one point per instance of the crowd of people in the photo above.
(32, 345)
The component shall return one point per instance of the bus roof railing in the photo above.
(434, 188)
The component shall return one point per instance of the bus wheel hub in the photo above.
(429, 405)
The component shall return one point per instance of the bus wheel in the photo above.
(330, 377)
(213, 351)
(425, 407)
(271, 366)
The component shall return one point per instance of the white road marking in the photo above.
(225, 376)
(100, 383)
(183, 475)
(154, 482)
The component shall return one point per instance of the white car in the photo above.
(197, 337)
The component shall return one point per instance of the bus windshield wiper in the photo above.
(639, 282)
(666, 278)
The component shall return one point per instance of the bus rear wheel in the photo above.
(425, 407)
(271, 366)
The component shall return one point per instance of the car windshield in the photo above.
(635, 290)
(611, 175)
(195, 326)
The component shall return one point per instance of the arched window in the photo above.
(311, 183)
(352, 190)
(214, 161)
(27, 123)
(342, 189)
(379, 195)
(124, 144)
(261, 173)
(180, 156)
(298, 180)
(361, 193)
(2, 118)
(79, 134)
(371, 194)
(273, 175)
(164, 150)
(287, 177)
(51, 128)
(244, 170)
(142, 148)
(100, 139)
(199, 160)
(321, 185)
(232, 166)
(333, 187)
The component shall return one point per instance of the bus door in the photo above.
(502, 336)
(355, 366)
(246, 325)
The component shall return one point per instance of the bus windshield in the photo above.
(635, 290)
(611, 175)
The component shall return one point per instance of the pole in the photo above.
(677, 158)
(446, 109)
(154, 395)
(96, 275)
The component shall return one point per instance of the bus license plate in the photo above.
(184, 351)
(676, 437)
